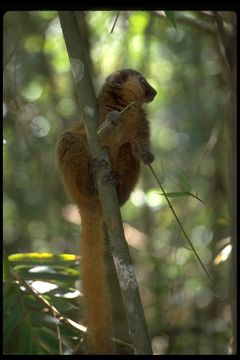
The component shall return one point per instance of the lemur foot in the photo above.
(112, 177)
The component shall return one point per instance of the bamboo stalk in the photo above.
(107, 192)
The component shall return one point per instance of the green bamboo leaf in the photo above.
(8, 287)
(41, 349)
(177, 194)
(11, 321)
(6, 266)
(64, 292)
(44, 259)
(40, 319)
(70, 332)
(37, 348)
(171, 17)
(63, 305)
(25, 339)
(9, 302)
(44, 272)
(33, 302)
(48, 340)
(183, 182)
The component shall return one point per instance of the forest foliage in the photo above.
(189, 58)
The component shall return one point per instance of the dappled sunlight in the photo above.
(70, 213)
(42, 286)
(134, 237)
(223, 255)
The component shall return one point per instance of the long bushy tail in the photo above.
(94, 284)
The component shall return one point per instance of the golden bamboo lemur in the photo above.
(76, 167)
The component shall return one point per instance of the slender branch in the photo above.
(108, 123)
(178, 221)
(182, 229)
(58, 336)
(115, 21)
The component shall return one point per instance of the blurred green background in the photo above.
(192, 67)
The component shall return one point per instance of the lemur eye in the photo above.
(142, 80)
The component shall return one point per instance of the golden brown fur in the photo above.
(74, 161)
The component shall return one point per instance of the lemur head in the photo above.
(132, 84)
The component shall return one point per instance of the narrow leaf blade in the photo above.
(43, 259)
(177, 194)
(11, 321)
(25, 339)
(183, 182)
(171, 17)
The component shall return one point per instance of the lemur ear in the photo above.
(116, 79)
